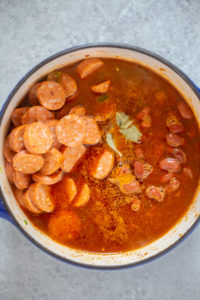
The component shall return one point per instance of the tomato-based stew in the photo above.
(103, 155)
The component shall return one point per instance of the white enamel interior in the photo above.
(107, 260)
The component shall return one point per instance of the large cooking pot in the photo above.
(9, 208)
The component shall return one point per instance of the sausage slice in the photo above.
(93, 133)
(78, 110)
(48, 180)
(101, 88)
(88, 66)
(17, 115)
(71, 157)
(102, 165)
(32, 95)
(173, 124)
(52, 161)
(40, 195)
(38, 138)
(27, 163)
(7, 151)
(51, 95)
(37, 113)
(52, 126)
(173, 185)
(21, 181)
(30, 204)
(71, 130)
(83, 196)
(9, 171)
(16, 140)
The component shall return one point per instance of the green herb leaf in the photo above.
(123, 120)
(25, 222)
(111, 143)
(57, 74)
(1, 170)
(102, 98)
(132, 134)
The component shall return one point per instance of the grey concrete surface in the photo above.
(31, 31)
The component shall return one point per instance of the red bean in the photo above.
(179, 154)
(166, 177)
(132, 187)
(185, 111)
(188, 172)
(174, 140)
(170, 164)
(156, 193)
(173, 185)
(174, 124)
(142, 170)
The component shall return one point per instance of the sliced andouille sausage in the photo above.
(135, 204)
(68, 83)
(48, 180)
(52, 161)
(32, 95)
(40, 195)
(21, 181)
(52, 126)
(51, 95)
(166, 177)
(179, 154)
(174, 140)
(83, 196)
(18, 114)
(70, 188)
(138, 152)
(188, 172)
(37, 113)
(170, 164)
(78, 110)
(185, 111)
(173, 185)
(142, 170)
(173, 124)
(16, 138)
(7, 151)
(72, 157)
(64, 225)
(71, 130)
(102, 165)
(93, 133)
(19, 195)
(156, 193)
(27, 163)
(9, 171)
(102, 87)
(88, 66)
(38, 138)
(106, 112)
(29, 204)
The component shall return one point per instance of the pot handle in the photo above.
(4, 214)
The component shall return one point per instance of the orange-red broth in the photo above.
(99, 227)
